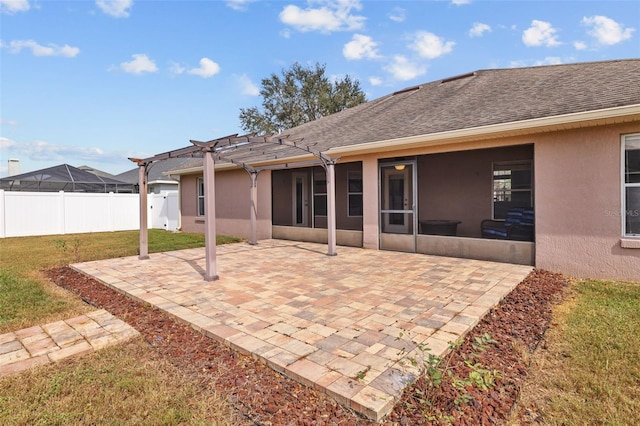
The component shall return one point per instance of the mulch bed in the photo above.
(262, 396)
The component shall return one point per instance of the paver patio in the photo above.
(330, 322)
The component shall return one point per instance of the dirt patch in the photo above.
(264, 397)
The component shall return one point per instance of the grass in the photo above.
(126, 384)
(27, 298)
(123, 385)
(589, 371)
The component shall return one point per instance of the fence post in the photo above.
(62, 212)
(3, 232)
(111, 212)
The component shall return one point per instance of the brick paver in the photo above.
(39, 345)
(332, 322)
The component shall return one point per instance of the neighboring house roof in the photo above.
(157, 172)
(62, 178)
(97, 172)
(489, 102)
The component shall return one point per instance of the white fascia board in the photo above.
(163, 182)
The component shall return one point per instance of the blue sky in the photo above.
(94, 82)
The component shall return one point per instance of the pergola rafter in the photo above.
(248, 152)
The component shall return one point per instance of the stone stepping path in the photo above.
(43, 344)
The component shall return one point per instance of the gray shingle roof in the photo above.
(156, 171)
(481, 98)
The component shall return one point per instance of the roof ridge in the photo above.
(547, 66)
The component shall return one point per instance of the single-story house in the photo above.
(536, 165)
(159, 178)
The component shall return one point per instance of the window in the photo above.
(631, 185)
(354, 194)
(512, 187)
(200, 196)
(319, 192)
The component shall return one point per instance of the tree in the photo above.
(298, 96)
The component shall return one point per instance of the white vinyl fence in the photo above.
(51, 213)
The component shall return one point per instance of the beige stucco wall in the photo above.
(370, 202)
(578, 204)
(577, 199)
(232, 204)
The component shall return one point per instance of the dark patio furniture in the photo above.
(519, 226)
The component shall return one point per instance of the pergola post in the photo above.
(142, 196)
(331, 207)
(210, 215)
(254, 206)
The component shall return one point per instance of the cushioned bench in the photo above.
(519, 226)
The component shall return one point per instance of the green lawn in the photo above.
(589, 372)
(27, 298)
(125, 384)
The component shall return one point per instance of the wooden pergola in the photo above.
(248, 152)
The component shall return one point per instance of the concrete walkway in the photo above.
(51, 342)
(330, 322)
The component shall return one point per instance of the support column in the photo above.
(254, 206)
(370, 203)
(144, 232)
(210, 216)
(331, 208)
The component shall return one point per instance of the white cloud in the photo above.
(6, 122)
(15, 46)
(429, 45)
(479, 29)
(12, 6)
(540, 33)
(398, 15)
(331, 15)
(176, 69)
(360, 47)
(579, 45)
(207, 68)
(239, 5)
(6, 143)
(606, 30)
(403, 69)
(286, 33)
(46, 151)
(550, 60)
(140, 64)
(375, 81)
(115, 8)
(460, 2)
(248, 88)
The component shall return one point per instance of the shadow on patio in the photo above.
(330, 322)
